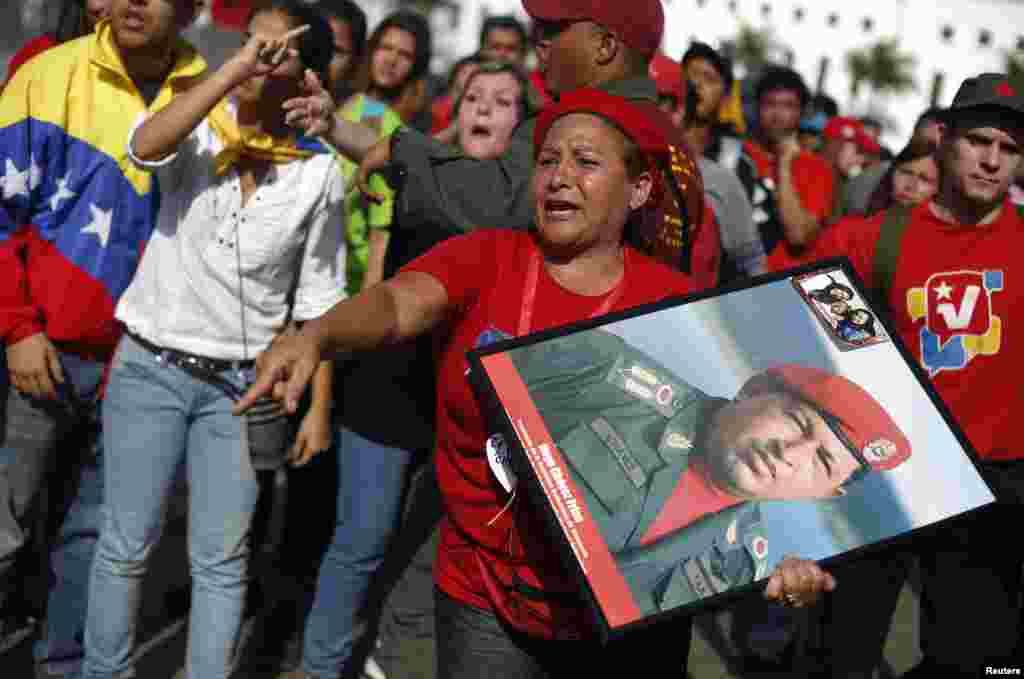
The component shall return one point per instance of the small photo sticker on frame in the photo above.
(846, 316)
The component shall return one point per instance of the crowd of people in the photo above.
(223, 274)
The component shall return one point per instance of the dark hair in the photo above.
(868, 325)
(825, 294)
(722, 64)
(316, 46)
(349, 13)
(505, 22)
(882, 198)
(782, 78)
(822, 103)
(868, 121)
(416, 25)
(526, 103)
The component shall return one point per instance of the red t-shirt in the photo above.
(952, 298)
(30, 49)
(815, 184)
(483, 548)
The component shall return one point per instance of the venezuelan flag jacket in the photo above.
(75, 212)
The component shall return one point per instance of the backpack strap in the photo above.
(887, 251)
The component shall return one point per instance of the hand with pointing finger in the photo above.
(262, 55)
(284, 371)
(313, 113)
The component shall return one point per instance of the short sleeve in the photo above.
(464, 265)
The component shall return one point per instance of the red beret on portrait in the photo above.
(231, 14)
(639, 23)
(863, 424)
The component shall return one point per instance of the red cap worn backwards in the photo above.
(639, 23)
(632, 121)
(851, 129)
(869, 432)
(847, 129)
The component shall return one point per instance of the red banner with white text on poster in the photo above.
(609, 587)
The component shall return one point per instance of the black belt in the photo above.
(200, 367)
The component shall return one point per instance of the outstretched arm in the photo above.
(161, 134)
(397, 309)
(316, 115)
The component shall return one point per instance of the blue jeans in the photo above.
(371, 478)
(38, 435)
(156, 417)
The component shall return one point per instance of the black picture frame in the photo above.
(498, 416)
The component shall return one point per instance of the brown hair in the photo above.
(881, 198)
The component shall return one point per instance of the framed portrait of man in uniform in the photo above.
(678, 451)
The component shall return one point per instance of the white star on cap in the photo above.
(14, 182)
(100, 224)
(63, 192)
(944, 290)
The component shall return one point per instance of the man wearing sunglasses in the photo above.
(606, 44)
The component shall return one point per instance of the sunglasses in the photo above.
(545, 31)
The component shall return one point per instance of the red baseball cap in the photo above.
(634, 122)
(868, 144)
(846, 129)
(851, 129)
(640, 23)
(667, 75)
(863, 425)
(231, 14)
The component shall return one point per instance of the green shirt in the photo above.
(361, 214)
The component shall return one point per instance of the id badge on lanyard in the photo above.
(497, 448)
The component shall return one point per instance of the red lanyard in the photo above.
(530, 293)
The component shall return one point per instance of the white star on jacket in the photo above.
(944, 290)
(100, 224)
(15, 182)
(63, 192)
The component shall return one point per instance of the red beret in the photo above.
(639, 23)
(632, 121)
(231, 14)
(870, 433)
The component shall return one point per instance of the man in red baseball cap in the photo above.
(602, 44)
(845, 146)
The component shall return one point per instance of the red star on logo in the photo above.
(1005, 90)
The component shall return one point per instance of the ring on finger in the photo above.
(790, 599)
